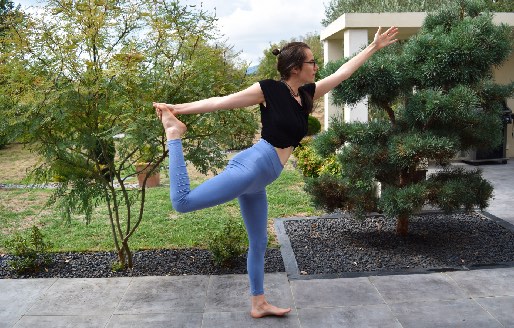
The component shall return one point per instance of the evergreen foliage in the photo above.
(439, 98)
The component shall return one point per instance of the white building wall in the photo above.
(355, 41)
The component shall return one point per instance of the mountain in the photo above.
(252, 70)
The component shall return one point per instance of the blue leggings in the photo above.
(245, 177)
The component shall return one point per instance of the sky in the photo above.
(250, 26)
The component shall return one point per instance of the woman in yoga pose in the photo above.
(284, 107)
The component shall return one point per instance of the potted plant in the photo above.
(147, 169)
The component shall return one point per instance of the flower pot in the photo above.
(152, 181)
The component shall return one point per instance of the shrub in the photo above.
(313, 125)
(4, 135)
(116, 266)
(29, 251)
(3, 141)
(228, 243)
(313, 165)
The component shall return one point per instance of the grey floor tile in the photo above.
(367, 316)
(334, 292)
(243, 319)
(7, 320)
(230, 293)
(485, 283)
(465, 313)
(417, 287)
(159, 320)
(81, 297)
(62, 322)
(164, 294)
(501, 307)
(16, 297)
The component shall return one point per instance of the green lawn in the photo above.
(161, 227)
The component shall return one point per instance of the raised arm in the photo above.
(380, 41)
(250, 96)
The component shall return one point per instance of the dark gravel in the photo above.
(146, 263)
(435, 242)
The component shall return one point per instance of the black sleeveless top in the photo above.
(284, 121)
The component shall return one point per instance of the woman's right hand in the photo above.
(159, 107)
(382, 40)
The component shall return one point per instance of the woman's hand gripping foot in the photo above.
(172, 126)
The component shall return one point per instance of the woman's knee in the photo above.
(180, 206)
(259, 245)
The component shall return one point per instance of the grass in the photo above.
(161, 227)
(15, 160)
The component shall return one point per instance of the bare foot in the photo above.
(172, 126)
(261, 308)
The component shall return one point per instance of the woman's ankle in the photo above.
(258, 300)
(173, 136)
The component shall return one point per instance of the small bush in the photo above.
(116, 266)
(4, 137)
(228, 243)
(3, 141)
(30, 252)
(312, 165)
(313, 126)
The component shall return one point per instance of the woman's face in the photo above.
(309, 68)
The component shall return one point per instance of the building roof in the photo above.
(408, 22)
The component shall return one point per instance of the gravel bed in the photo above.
(146, 263)
(435, 242)
(322, 246)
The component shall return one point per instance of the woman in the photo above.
(284, 107)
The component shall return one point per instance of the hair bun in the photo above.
(276, 52)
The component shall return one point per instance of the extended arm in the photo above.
(380, 41)
(250, 96)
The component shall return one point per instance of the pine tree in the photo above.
(434, 96)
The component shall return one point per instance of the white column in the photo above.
(332, 50)
(354, 41)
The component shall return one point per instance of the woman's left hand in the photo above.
(384, 39)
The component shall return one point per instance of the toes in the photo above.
(158, 112)
(159, 106)
(274, 311)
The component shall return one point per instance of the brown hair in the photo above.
(291, 56)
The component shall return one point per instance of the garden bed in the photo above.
(175, 262)
(436, 242)
(324, 246)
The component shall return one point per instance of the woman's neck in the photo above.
(293, 86)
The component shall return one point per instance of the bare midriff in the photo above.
(284, 154)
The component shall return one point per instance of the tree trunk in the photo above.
(125, 257)
(121, 258)
(128, 255)
(402, 225)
